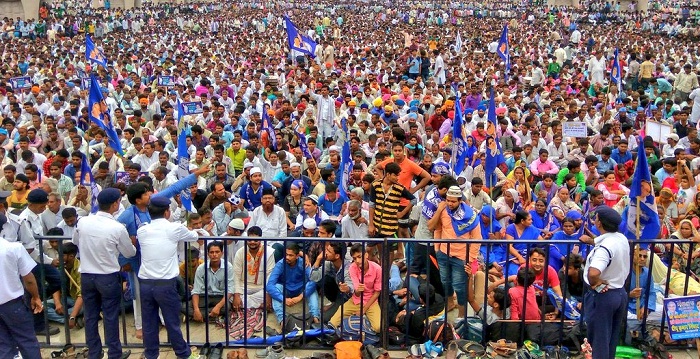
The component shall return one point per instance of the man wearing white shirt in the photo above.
(147, 156)
(269, 217)
(158, 276)
(68, 222)
(99, 268)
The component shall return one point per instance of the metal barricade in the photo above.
(433, 258)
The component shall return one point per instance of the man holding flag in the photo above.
(494, 155)
(98, 113)
(299, 43)
(503, 51)
(615, 73)
(459, 141)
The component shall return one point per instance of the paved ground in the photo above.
(198, 334)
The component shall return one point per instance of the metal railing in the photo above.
(374, 248)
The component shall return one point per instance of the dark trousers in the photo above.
(604, 315)
(332, 292)
(102, 293)
(50, 285)
(16, 331)
(161, 294)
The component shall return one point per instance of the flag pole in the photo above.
(637, 285)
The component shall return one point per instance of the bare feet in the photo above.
(451, 303)
(139, 334)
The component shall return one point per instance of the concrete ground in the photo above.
(198, 335)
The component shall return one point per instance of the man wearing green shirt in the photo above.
(237, 156)
(574, 166)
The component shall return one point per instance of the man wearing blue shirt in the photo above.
(290, 283)
(644, 292)
(605, 161)
(621, 155)
(251, 192)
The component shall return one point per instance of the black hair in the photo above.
(392, 168)
(447, 181)
(157, 211)
(525, 277)
(55, 231)
(135, 191)
(328, 225)
(215, 244)
(69, 212)
(338, 247)
(356, 248)
(293, 247)
(255, 231)
(69, 248)
(520, 216)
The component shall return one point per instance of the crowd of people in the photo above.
(361, 145)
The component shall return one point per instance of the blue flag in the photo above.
(297, 40)
(86, 171)
(615, 73)
(459, 139)
(494, 155)
(92, 53)
(303, 145)
(503, 49)
(267, 127)
(97, 111)
(641, 188)
(647, 111)
(183, 157)
(345, 161)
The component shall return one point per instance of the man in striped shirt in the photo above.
(385, 196)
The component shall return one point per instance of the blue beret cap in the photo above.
(109, 196)
(609, 216)
(38, 196)
(160, 201)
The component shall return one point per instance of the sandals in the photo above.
(504, 347)
(68, 351)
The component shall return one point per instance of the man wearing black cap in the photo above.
(607, 268)
(158, 275)
(99, 272)
(31, 217)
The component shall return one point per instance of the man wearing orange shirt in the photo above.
(409, 170)
(455, 219)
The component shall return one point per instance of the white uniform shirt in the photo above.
(611, 256)
(14, 260)
(99, 249)
(159, 240)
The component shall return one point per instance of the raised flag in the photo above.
(303, 145)
(458, 43)
(503, 49)
(183, 157)
(640, 219)
(459, 139)
(86, 171)
(345, 161)
(98, 113)
(615, 73)
(494, 155)
(298, 41)
(267, 127)
(94, 54)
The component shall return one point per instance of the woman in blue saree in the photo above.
(542, 219)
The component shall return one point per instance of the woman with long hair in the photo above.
(547, 187)
(543, 219)
(521, 228)
(612, 190)
(522, 185)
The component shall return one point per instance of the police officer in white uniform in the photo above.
(16, 328)
(18, 230)
(607, 268)
(100, 240)
(159, 241)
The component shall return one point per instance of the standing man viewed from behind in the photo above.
(16, 323)
(607, 268)
(99, 272)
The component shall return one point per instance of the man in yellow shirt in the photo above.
(18, 198)
(73, 304)
(646, 72)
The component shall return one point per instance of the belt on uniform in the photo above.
(158, 282)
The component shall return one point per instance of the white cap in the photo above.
(255, 170)
(237, 223)
(673, 136)
(248, 165)
(309, 223)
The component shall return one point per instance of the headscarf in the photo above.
(472, 150)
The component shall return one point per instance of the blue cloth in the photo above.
(332, 208)
(530, 233)
(643, 282)
(252, 198)
(311, 301)
(604, 166)
(16, 330)
(102, 293)
(163, 295)
(546, 222)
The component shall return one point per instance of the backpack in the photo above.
(440, 330)
(351, 330)
(471, 328)
(295, 322)
(396, 337)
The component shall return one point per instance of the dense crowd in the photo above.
(385, 81)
